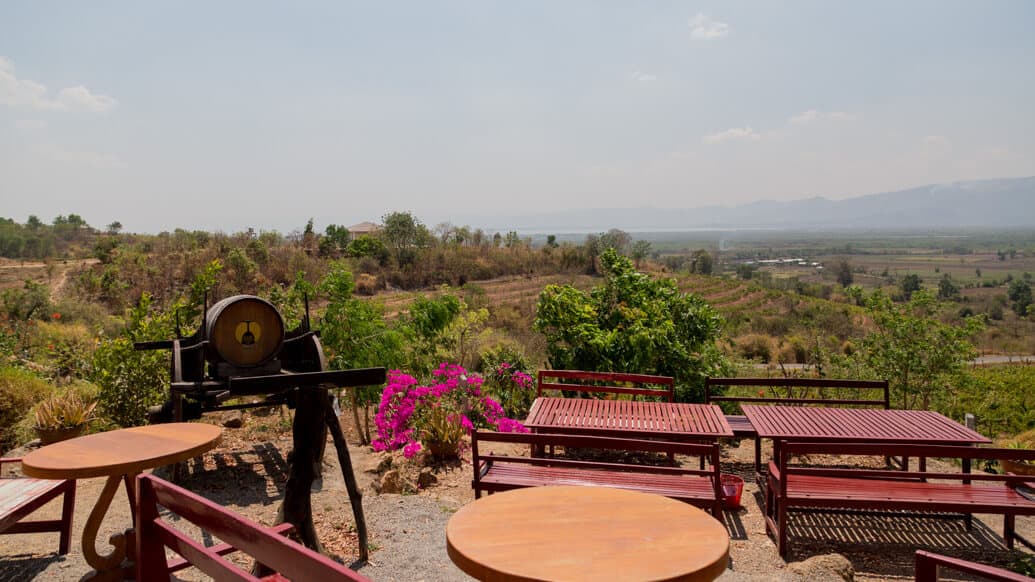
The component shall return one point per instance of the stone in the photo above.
(378, 463)
(233, 419)
(426, 478)
(828, 567)
(391, 482)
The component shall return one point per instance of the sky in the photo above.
(228, 115)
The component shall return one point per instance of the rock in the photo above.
(391, 482)
(233, 419)
(378, 463)
(832, 567)
(426, 478)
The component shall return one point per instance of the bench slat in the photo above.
(513, 475)
(954, 496)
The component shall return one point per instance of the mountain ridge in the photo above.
(992, 203)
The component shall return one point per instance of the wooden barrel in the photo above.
(244, 331)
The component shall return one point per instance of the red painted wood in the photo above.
(499, 472)
(153, 535)
(20, 497)
(794, 486)
(856, 424)
(627, 418)
(928, 564)
(576, 380)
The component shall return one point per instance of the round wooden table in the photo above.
(118, 455)
(585, 533)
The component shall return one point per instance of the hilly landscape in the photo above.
(998, 203)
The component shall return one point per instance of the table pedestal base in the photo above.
(109, 566)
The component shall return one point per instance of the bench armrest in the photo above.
(927, 565)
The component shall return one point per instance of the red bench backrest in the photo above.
(572, 380)
(153, 534)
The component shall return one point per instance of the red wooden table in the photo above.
(819, 424)
(628, 418)
(800, 423)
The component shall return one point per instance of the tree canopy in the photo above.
(632, 323)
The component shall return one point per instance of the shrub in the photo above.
(131, 381)
(513, 388)
(19, 391)
(755, 347)
(412, 416)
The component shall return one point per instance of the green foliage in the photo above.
(335, 241)
(1019, 293)
(910, 284)
(20, 390)
(999, 396)
(355, 335)
(632, 323)
(403, 233)
(845, 276)
(701, 262)
(131, 381)
(368, 246)
(426, 325)
(918, 355)
(947, 290)
(32, 300)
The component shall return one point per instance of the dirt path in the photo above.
(247, 474)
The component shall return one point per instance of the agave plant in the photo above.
(66, 410)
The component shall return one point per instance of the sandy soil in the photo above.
(407, 532)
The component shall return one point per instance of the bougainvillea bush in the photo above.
(513, 388)
(411, 416)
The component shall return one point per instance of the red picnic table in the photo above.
(820, 424)
(628, 418)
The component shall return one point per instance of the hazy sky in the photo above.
(224, 115)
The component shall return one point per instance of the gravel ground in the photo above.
(407, 532)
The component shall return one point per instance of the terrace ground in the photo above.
(247, 473)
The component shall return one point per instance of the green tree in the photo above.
(335, 241)
(640, 251)
(844, 273)
(916, 353)
(947, 290)
(701, 262)
(131, 381)
(356, 335)
(910, 284)
(403, 234)
(632, 323)
(1019, 293)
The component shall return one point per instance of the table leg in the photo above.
(107, 566)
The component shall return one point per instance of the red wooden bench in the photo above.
(22, 496)
(794, 392)
(494, 472)
(928, 564)
(605, 382)
(795, 487)
(290, 560)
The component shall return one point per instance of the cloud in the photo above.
(704, 28)
(29, 124)
(733, 133)
(25, 93)
(80, 98)
(813, 115)
(643, 77)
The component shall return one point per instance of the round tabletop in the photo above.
(125, 451)
(585, 533)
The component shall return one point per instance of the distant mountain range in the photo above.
(999, 203)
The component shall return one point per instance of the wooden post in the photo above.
(345, 460)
